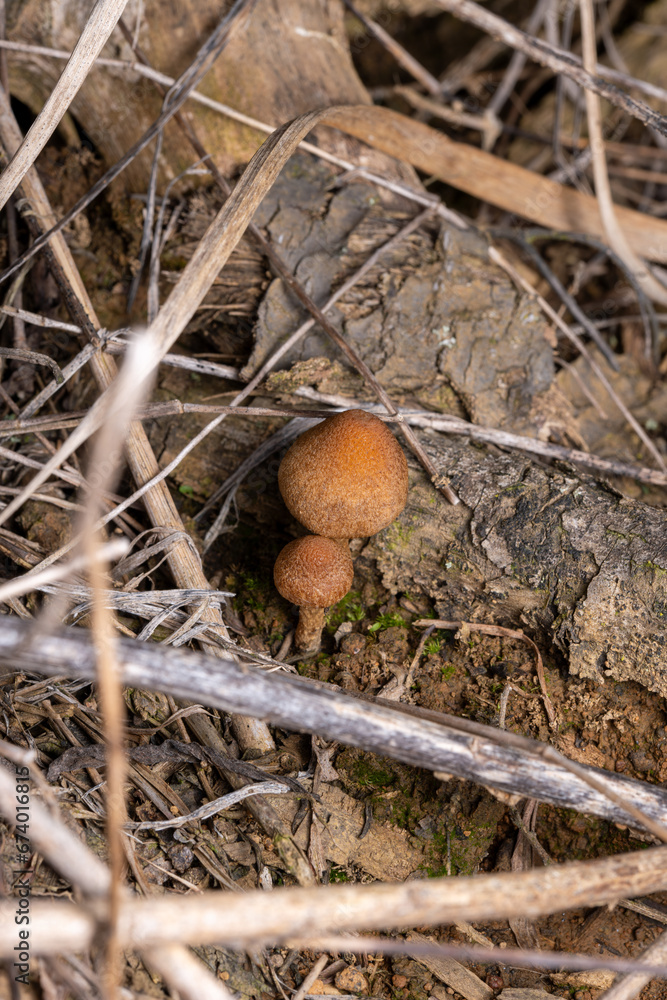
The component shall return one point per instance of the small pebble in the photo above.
(400, 982)
(353, 644)
(351, 980)
(318, 988)
(494, 981)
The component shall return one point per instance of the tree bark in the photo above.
(562, 554)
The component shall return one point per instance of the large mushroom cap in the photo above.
(346, 477)
(313, 571)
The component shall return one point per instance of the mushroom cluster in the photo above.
(345, 478)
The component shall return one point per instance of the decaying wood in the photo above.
(440, 743)
(571, 559)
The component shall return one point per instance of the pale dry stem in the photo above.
(614, 232)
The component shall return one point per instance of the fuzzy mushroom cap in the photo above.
(314, 572)
(346, 477)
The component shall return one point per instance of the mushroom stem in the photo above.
(309, 630)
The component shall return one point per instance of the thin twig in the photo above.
(428, 739)
(455, 425)
(554, 58)
(518, 60)
(485, 122)
(515, 957)
(568, 300)
(401, 55)
(37, 320)
(24, 48)
(311, 977)
(251, 919)
(23, 585)
(650, 319)
(212, 808)
(465, 627)
(33, 358)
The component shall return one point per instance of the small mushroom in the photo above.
(313, 572)
(346, 477)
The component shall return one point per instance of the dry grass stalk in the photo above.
(129, 390)
(613, 231)
(78, 865)
(37, 320)
(400, 54)
(493, 180)
(22, 585)
(516, 957)
(108, 412)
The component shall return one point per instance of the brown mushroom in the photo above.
(346, 477)
(313, 572)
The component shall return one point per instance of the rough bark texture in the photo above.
(434, 318)
(565, 555)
